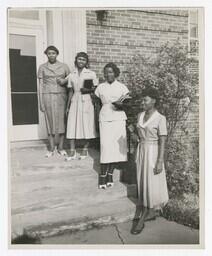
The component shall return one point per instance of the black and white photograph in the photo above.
(104, 126)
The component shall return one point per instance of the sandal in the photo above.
(49, 154)
(74, 157)
(62, 152)
(82, 157)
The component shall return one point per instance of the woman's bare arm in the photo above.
(70, 95)
(161, 152)
(41, 95)
(161, 149)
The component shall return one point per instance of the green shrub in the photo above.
(169, 70)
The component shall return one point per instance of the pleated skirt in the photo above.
(55, 105)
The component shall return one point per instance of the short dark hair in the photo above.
(152, 93)
(84, 55)
(51, 48)
(115, 69)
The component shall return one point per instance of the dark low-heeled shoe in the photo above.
(150, 219)
(135, 231)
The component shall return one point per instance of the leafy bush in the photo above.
(170, 71)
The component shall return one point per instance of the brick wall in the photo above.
(127, 32)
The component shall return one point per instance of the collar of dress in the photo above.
(143, 124)
(84, 70)
(113, 83)
(57, 64)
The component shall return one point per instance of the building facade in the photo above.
(106, 35)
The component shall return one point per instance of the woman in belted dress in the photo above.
(53, 98)
(112, 125)
(151, 176)
(80, 109)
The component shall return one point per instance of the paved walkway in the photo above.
(160, 231)
(51, 196)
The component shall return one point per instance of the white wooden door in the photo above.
(25, 55)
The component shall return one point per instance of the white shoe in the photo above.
(82, 157)
(110, 184)
(49, 154)
(74, 157)
(62, 152)
(102, 186)
(110, 180)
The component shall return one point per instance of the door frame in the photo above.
(34, 131)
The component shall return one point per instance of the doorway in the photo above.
(25, 55)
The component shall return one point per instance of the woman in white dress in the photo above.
(80, 109)
(151, 176)
(112, 125)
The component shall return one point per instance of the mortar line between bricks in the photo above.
(156, 11)
(140, 29)
(159, 13)
(124, 45)
(119, 234)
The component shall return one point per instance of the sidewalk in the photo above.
(156, 232)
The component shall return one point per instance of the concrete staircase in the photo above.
(50, 196)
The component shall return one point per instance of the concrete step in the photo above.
(83, 218)
(51, 195)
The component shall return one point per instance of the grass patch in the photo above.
(184, 210)
(26, 239)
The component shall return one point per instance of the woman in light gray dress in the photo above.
(151, 176)
(53, 97)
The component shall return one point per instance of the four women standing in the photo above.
(151, 126)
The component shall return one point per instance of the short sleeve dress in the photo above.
(152, 189)
(81, 120)
(54, 95)
(112, 123)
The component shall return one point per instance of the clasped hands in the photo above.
(86, 90)
(61, 81)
